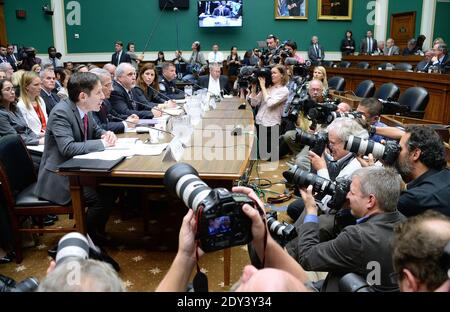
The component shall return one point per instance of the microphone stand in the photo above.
(153, 107)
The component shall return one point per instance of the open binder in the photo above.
(76, 164)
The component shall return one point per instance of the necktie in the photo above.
(369, 46)
(85, 123)
(118, 58)
(133, 103)
(54, 63)
(390, 51)
(103, 112)
(221, 12)
(317, 50)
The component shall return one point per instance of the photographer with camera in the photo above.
(285, 274)
(290, 50)
(298, 111)
(269, 100)
(373, 197)
(28, 58)
(336, 163)
(80, 266)
(421, 253)
(422, 165)
(273, 50)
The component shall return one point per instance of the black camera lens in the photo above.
(29, 284)
(182, 179)
(316, 142)
(352, 282)
(302, 178)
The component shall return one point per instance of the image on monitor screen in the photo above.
(220, 13)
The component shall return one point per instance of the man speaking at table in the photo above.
(72, 131)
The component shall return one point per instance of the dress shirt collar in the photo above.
(81, 112)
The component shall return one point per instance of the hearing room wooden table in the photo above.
(218, 156)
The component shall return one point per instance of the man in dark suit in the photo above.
(441, 57)
(120, 56)
(106, 117)
(222, 10)
(339, 7)
(368, 44)
(316, 52)
(47, 87)
(364, 248)
(424, 65)
(294, 7)
(123, 99)
(12, 57)
(214, 82)
(72, 131)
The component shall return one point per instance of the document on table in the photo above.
(137, 149)
(36, 148)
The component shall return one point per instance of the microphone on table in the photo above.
(153, 107)
(139, 131)
(165, 96)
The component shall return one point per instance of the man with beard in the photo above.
(422, 165)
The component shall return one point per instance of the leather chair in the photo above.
(403, 67)
(384, 65)
(416, 98)
(365, 89)
(388, 91)
(363, 65)
(345, 64)
(327, 63)
(18, 181)
(337, 83)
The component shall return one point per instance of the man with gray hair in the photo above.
(82, 275)
(336, 163)
(363, 248)
(7, 68)
(48, 79)
(123, 99)
(214, 82)
(106, 117)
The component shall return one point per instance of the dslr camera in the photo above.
(387, 152)
(391, 107)
(221, 223)
(320, 113)
(317, 142)
(282, 232)
(337, 190)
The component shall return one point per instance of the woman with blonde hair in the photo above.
(147, 82)
(320, 73)
(36, 68)
(31, 105)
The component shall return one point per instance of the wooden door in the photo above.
(403, 28)
(3, 38)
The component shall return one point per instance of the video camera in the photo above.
(249, 75)
(387, 152)
(337, 190)
(282, 232)
(391, 107)
(317, 142)
(221, 223)
(320, 113)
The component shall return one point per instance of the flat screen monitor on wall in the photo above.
(220, 13)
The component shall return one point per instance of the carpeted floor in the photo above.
(145, 257)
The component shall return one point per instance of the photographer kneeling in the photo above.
(285, 274)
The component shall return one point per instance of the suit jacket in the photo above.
(351, 251)
(12, 62)
(312, 54)
(203, 81)
(13, 123)
(123, 105)
(30, 115)
(363, 49)
(50, 100)
(395, 50)
(226, 12)
(423, 66)
(102, 119)
(124, 58)
(64, 139)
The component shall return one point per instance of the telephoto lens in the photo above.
(221, 223)
(334, 115)
(282, 232)
(317, 142)
(302, 178)
(388, 152)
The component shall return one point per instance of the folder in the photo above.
(96, 165)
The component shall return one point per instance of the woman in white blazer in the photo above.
(31, 105)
